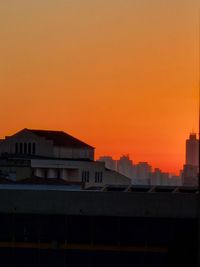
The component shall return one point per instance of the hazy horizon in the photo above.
(120, 75)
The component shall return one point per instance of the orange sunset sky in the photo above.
(122, 75)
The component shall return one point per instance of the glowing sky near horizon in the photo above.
(122, 75)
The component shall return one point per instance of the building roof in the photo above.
(60, 138)
(41, 181)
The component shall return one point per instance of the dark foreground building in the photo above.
(43, 226)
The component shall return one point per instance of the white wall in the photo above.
(72, 171)
(74, 153)
(43, 147)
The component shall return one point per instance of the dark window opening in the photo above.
(29, 148)
(16, 148)
(88, 176)
(25, 148)
(33, 148)
(21, 148)
(85, 176)
(98, 177)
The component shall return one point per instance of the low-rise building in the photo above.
(53, 155)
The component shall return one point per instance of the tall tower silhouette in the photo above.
(192, 150)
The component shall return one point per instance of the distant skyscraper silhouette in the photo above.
(192, 150)
(191, 167)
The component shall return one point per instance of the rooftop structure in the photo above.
(45, 143)
(60, 138)
(48, 225)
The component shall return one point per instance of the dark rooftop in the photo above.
(40, 181)
(60, 138)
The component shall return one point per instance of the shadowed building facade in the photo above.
(53, 155)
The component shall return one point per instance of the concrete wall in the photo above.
(75, 170)
(73, 153)
(15, 173)
(42, 201)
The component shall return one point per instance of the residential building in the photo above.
(125, 166)
(110, 163)
(143, 173)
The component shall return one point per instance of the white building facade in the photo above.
(56, 155)
(52, 144)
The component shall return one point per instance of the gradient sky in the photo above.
(121, 75)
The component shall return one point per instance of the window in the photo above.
(29, 148)
(98, 177)
(85, 176)
(33, 148)
(25, 148)
(88, 176)
(16, 148)
(21, 148)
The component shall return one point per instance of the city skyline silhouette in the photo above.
(123, 77)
